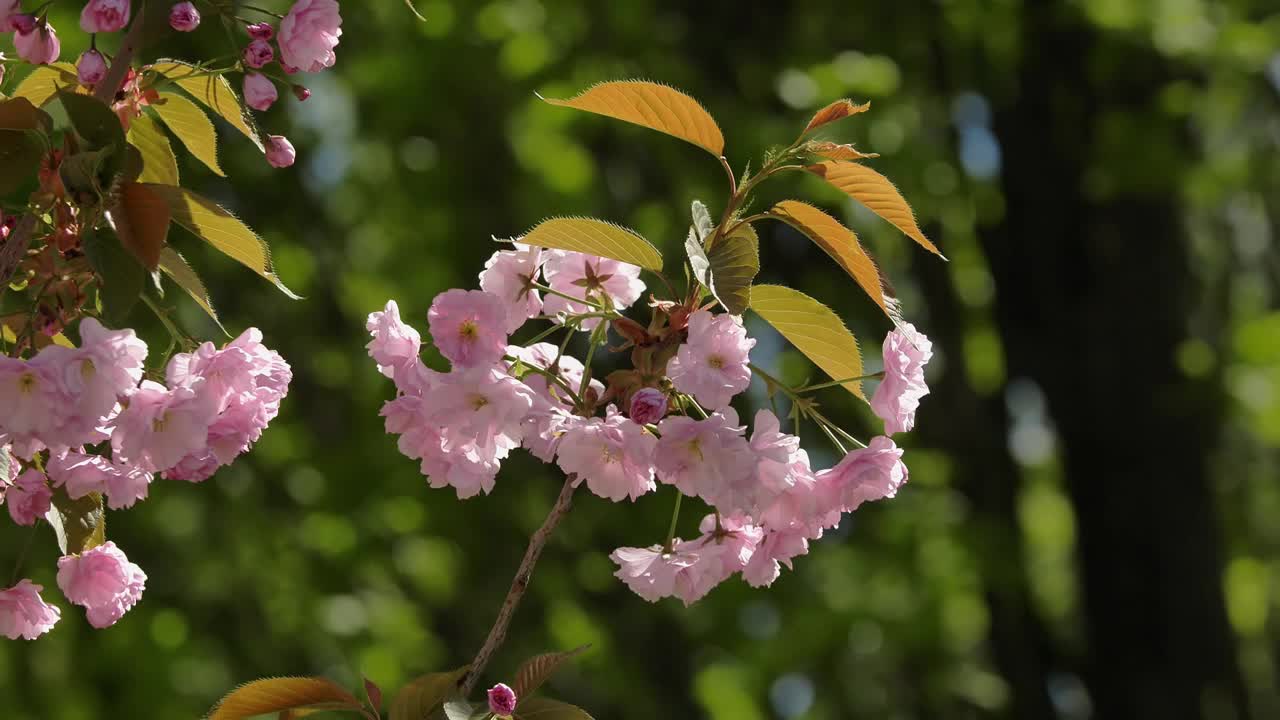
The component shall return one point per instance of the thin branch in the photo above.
(132, 43)
(15, 248)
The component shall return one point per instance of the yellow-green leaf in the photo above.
(45, 81)
(180, 271)
(142, 223)
(159, 165)
(538, 669)
(422, 695)
(835, 111)
(842, 245)
(214, 92)
(540, 708)
(813, 328)
(192, 127)
(272, 695)
(728, 267)
(217, 226)
(79, 525)
(876, 192)
(595, 237)
(654, 106)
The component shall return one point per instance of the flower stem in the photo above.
(675, 515)
(519, 584)
(580, 300)
(833, 383)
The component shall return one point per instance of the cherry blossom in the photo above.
(895, 401)
(712, 365)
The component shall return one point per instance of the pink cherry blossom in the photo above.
(712, 365)
(704, 458)
(807, 505)
(871, 473)
(104, 16)
(469, 327)
(309, 33)
(103, 581)
(258, 53)
(724, 549)
(39, 45)
(648, 406)
(94, 378)
(260, 31)
(502, 700)
(568, 368)
(161, 426)
(651, 572)
(184, 17)
(510, 275)
(28, 497)
(7, 8)
(587, 276)
(280, 152)
(32, 398)
(613, 455)
(777, 548)
(24, 614)
(259, 91)
(81, 474)
(91, 67)
(895, 401)
(395, 346)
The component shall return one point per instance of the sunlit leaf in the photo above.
(460, 709)
(176, 267)
(813, 329)
(122, 277)
(79, 525)
(45, 81)
(538, 669)
(837, 110)
(422, 695)
(192, 127)
(540, 708)
(876, 192)
(215, 92)
(142, 223)
(225, 232)
(702, 222)
(651, 105)
(728, 267)
(842, 245)
(159, 165)
(273, 695)
(595, 237)
(6, 466)
(836, 151)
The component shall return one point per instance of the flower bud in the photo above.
(301, 93)
(502, 700)
(648, 406)
(184, 17)
(280, 152)
(104, 16)
(261, 31)
(22, 23)
(39, 45)
(91, 67)
(259, 92)
(258, 53)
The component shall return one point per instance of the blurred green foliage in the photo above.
(324, 552)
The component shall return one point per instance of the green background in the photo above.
(1091, 526)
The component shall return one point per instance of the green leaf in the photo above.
(6, 474)
(414, 10)
(540, 708)
(20, 155)
(93, 120)
(538, 669)
(422, 695)
(813, 328)
(78, 524)
(192, 127)
(702, 222)
(176, 267)
(214, 92)
(45, 81)
(651, 105)
(292, 694)
(460, 709)
(87, 173)
(159, 164)
(217, 226)
(19, 114)
(595, 237)
(876, 192)
(122, 278)
(142, 223)
(729, 267)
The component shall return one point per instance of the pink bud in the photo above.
(648, 406)
(259, 92)
(299, 92)
(22, 23)
(184, 17)
(91, 67)
(502, 700)
(258, 53)
(40, 46)
(288, 69)
(280, 152)
(261, 31)
(104, 16)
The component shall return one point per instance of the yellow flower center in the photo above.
(716, 362)
(27, 382)
(468, 330)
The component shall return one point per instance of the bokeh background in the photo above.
(1092, 527)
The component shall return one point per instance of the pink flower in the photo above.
(395, 345)
(259, 92)
(260, 31)
(651, 572)
(103, 581)
(712, 365)
(28, 498)
(589, 277)
(24, 614)
(807, 505)
(613, 455)
(777, 548)
(871, 473)
(280, 152)
(162, 426)
(309, 33)
(510, 275)
(39, 45)
(547, 357)
(184, 17)
(258, 53)
(704, 458)
(104, 16)
(721, 552)
(906, 352)
(94, 378)
(32, 398)
(502, 700)
(469, 327)
(7, 8)
(91, 67)
(81, 474)
(648, 406)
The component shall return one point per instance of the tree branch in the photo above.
(110, 84)
(519, 584)
(14, 248)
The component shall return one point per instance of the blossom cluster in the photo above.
(669, 421)
(83, 421)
